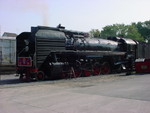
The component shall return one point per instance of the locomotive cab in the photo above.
(128, 46)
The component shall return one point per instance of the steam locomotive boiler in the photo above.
(50, 53)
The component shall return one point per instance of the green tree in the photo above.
(114, 30)
(95, 33)
(143, 29)
(133, 33)
(121, 30)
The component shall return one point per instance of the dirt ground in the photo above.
(11, 80)
(114, 93)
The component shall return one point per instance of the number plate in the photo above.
(25, 61)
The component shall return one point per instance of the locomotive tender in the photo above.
(49, 53)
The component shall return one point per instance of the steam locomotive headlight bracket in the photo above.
(26, 42)
(27, 45)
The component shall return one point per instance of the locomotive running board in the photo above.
(99, 53)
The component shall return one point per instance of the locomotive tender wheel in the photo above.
(40, 75)
(105, 68)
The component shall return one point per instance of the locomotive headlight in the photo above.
(27, 48)
(26, 42)
(27, 45)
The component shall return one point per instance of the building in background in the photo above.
(7, 34)
(7, 51)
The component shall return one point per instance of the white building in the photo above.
(7, 50)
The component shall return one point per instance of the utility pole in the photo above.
(0, 30)
(0, 54)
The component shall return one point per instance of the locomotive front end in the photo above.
(35, 50)
(25, 56)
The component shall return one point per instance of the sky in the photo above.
(18, 16)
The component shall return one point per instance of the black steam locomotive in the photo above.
(50, 53)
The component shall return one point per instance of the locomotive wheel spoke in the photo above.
(77, 73)
(69, 73)
(105, 68)
(96, 70)
(86, 70)
(86, 73)
(72, 73)
(77, 69)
